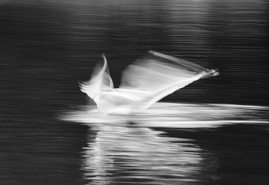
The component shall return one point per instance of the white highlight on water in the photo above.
(123, 155)
(176, 115)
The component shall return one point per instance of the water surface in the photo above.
(216, 134)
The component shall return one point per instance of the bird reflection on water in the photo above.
(119, 154)
(130, 155)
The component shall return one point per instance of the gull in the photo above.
(143, 83)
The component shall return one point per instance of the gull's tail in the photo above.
(212, 72)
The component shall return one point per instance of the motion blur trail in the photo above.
(177, 115)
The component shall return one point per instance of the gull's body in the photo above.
(144, 82)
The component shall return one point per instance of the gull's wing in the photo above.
(160, 75)
(100, 81)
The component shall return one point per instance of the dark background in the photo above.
(47, 47)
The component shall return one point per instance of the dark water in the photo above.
(46, 47)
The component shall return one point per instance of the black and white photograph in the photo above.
(134, 92)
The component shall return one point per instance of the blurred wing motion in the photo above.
(144, 82)
(161, 75)
(100, 81)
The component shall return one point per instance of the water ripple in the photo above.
(132, 155)
(124, 153)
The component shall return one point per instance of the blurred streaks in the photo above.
(51, 45)
(134, 155)
(176, 115)
(47, 46)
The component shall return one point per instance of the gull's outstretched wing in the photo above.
(99, 82)
(160, 75)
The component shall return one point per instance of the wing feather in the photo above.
(160, 75)
(99, 82)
